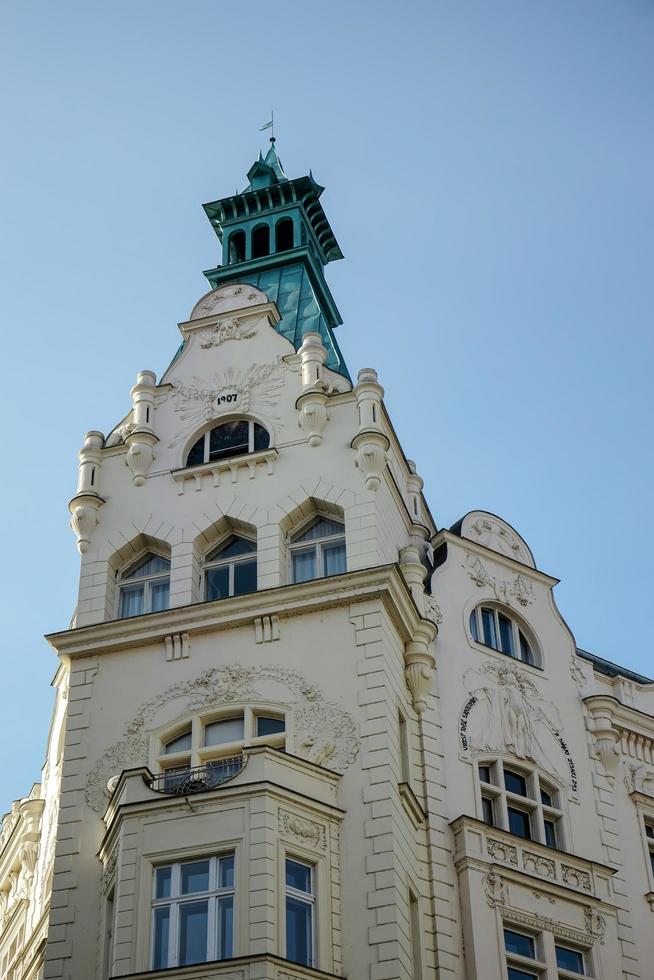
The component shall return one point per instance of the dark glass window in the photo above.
(284, 234)
(236, 250)
(487, 810)
(515, 974)
(517, 942)
(515, 783)
(269, 726)
(519, 822)
(260, 241)
(299, 912)
(485, 774)
(550, 833)
(231, 569)
(546, 798)
(234, 438)
(570, 959)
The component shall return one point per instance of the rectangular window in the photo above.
(193, 912)
(487, 811)
(485, 774)
(300, 908)
(570, 959)
(490, 633)
(404, 748)
(519, 822)
(550, 833)
(506, 635)
(518, 942)
(515, 783)
(515, 974)
(414, 926)
(304, 564)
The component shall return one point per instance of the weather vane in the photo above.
(271, 126)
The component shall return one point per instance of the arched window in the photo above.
(496, 629)
(231, 569)
(144, 586)
(284, 234)
(236, 248)
(229, 439)
(318, 551)
(260, 241)
(515, 797)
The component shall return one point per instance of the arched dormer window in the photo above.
(284, 235)
(234, 438)
(144, 586)
(230, 569)
(236, 247)
(260, 241)
(496, 629)
(318, 551)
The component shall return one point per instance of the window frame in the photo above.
(502, 799)
(217, 424)
(308, 898)
(123, 583)
(519, 631)
(229, 563)
(544, 963)
(176, 900)
(315, 544)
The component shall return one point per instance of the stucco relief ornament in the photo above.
(432, 610)
(121, 432)
(518, 589)
(230, 329)
(506, 713)
(494, 888)
(498, 538)
(324, 732)
(250, 390)
(595, 923)
(639, 779)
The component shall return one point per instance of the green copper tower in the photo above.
(275, 236)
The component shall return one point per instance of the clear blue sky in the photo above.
(489, 177)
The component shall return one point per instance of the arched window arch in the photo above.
(515, 796)
(284, 235)
(144, 586)
(234, 438)
(230, 569)
(260, 241)
(318, 550)
(236, 247)
(495, 627)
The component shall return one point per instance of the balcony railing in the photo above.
(199, 779)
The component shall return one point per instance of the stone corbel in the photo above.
(419, 664)
(606, 737)
(87, 501)
(371, 442)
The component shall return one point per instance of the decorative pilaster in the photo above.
(141, 439)
(312, 403)
(87, 501)
(371, 442)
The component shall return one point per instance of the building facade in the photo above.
(301, 732)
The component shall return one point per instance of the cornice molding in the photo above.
(447, 537)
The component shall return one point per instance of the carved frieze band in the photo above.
(495, 889)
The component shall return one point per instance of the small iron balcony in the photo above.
(199, 779)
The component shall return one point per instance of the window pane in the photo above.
(131, 601)
(546, 798)
(226, 871)
(516, 942)
(525, 651)
(163, 878)
(160, 940)
(649, 829)
(298, 931)
(181, 743)
(488, 815)
(261, 437)
(488, 623)
(221, 732)
(333, 557)
(245, 577)
(195, 877)
(225, 927)
(651, 861)
(269, 726)
(506, 635)
(298, 876)
(217, 583)
(515, 783)
(159, 595)
(519, 823)
(232, 549)
(474, 628)
(322, 528)
(520, 974)
(570, 959)
(304, 564)
(147, 565)
(230, 439)
(196, 454)
(550, 833)
(193, 922)
(485, 774)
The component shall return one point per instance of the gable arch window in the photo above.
(144, 586)
(260, 241)
(318, 551)
(496, 629)
(230, 569)
(235, 438)
(284, 235)
(515, 797)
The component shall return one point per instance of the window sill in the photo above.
(220, 468)
(505, 656)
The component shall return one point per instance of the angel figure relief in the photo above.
(511, 716)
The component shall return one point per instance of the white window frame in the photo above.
(536, 965)
(147, 580)
(316, 544)
(516, 627)
(227, 562)
(544, 964)
(176, 900)
(309, 898)
(207, 441)
(533, 805)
